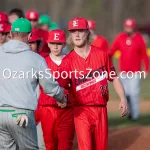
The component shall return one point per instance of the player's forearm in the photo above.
(119, 88)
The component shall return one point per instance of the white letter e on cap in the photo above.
(56, 36)
(75, 23)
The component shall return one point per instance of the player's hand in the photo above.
(62, 104)
(22, 120)
(124, 106)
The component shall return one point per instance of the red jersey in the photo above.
(101, 43)
(133, 51)
(89, 84)
(44, 99)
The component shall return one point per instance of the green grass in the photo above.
(145, 87)
(115, 121)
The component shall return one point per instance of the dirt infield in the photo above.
(131, 138)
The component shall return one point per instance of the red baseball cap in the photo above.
(33, 37)
(3, 27)
(8, 28)
(56, 36)
(32, 15)
(78, 23)
(3, 17)
(130, 23)
(92, 24)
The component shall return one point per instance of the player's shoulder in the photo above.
(139, 35)
(98, 51)
(48, 58)
(70, 55)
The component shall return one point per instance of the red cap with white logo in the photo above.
(78, 24)
(3, 17)
(32, 15)
(92, 24)
(3, 27)
(56, 36)
(130, 23)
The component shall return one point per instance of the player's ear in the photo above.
(10, 34)
(29, 36)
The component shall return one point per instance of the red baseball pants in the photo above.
(91, 126)
(58, 127)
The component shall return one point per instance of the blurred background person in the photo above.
(14, 14)
(98, 41)
(34, 42)
(3, 33)
(5, 28)
(33, 16)
(45, 22)
(53, 26)
(3, 17)
(133, 52)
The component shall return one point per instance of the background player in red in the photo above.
(3, 33)
(57, 123)
(98, 41)
(89, 89)
(5, 27)
(34, 42)
(133, 52)
(33, 17)
(3, 17)
(45, 22)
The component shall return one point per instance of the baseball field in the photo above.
(125, 134)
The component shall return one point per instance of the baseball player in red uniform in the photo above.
(3, 17)
(3, 33)
(89, 67)
(133, 52)
(34, 42)
(33, 17)
(99, 41)
(4, 30)
(57, 123)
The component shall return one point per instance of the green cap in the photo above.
(54, 26)
(45, 19)
(21, 25)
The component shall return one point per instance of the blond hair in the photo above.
(89, 39)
